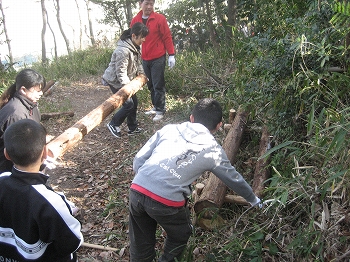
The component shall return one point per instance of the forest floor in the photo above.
(96, 173)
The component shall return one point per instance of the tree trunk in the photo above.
(72, 135)
(210, 20)
(231, 17)
(214, 191)
(80, 26)
(53, 35)
(60, 26)
(8, 41)
(129, 15)
(43, 32)
(91, 35)
(262, 172)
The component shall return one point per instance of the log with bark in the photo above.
(45, 116)
(214, 192)
(262, 171)
(48, 85)
(72, 135)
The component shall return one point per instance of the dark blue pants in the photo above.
(127, 111)
(144, 215)
(154, 70)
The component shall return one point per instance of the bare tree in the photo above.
(91, 35)
(8, 41)
(81, 25)
(43, 31)
(53, 35)
(57, 6)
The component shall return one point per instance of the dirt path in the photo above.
(96, 173)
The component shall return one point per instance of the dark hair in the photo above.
(27, 78)
(24, 141)
(207, 112)
(139, 29)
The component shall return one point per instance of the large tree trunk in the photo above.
(262, 171)
(8, 41)
(72, 135)
(214, 192)
(60, 26)
(43, 31)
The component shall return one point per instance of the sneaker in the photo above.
(151, 112)
(158, 117)
(137, 130)
(115, 130)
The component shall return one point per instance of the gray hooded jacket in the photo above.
(125, 64)
(176, 156)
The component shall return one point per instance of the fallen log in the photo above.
(262, 172)
(45, 116)
(234, 199)
(48, 85)
(214, 192)
(72, 135)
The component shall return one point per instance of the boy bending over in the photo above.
(165, 167)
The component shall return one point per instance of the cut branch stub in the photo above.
(72, 135)
(213, 194)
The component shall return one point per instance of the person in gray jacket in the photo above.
(165, 167)
(124, 66)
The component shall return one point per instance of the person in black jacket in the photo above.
(19, 101)
(36, 223)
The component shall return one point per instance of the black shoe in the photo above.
(115, 130)
(137, 130)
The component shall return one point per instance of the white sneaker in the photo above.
(151, 112)
(158, 117)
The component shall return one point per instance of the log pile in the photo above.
(209, 198)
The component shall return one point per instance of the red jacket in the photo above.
(159, 39)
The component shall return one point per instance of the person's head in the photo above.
(207, 112)
(137, 33)
(25, 143)
(30, 84)
(147, 7)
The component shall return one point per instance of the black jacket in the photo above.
(35, 222)
(19, 107)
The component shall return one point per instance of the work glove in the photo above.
(50, 163)
(257, 203)
(171, 61)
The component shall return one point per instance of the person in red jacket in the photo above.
(154, 49)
